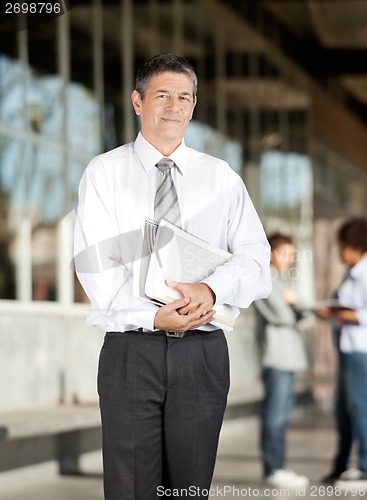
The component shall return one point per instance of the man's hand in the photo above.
(168, 317)
(344, 315)
(200, 295)
(324, 312)
(290, 296)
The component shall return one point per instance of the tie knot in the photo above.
(165, 164)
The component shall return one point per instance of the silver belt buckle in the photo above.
(177, 335)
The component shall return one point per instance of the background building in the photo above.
(282, 98)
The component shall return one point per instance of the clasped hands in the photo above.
(193, 310)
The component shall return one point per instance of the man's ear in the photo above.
(136, 100)
(193, 106)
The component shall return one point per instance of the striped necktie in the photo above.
(166, 201)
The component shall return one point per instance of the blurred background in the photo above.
(282, 98)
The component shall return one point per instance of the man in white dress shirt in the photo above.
(163, 394)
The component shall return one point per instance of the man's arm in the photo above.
(354, 315)
(246, 276)
(344, 315)
(275, 310)
(107, 283)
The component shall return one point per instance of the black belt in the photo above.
(177, 335)
(181, 335)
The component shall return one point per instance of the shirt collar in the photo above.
(149, 156)
(359, 268)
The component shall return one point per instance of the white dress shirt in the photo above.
(353, 293)
(117, 192)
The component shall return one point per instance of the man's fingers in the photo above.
(168, 317)
(177, 304)
(203, 320)
(196, 318)
(199, 309)
(173, 284)
(186, 310)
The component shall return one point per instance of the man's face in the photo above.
(282, 257)
(349, 255)
(166, 108)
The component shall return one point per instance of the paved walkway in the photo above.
(237, 474)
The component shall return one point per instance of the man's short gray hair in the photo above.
(161, 64)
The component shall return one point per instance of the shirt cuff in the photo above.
(144, 319)
(220, 287)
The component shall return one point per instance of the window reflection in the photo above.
(40, 169)
(205, 138)
(11, 92)
(83, 120)
(286, 180)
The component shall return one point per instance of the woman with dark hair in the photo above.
(283, 354)
(351, 319)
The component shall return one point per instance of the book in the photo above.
(144, 252)
(182, 257)
(333, 304)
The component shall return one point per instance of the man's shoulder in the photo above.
(214, 164)
(118, 154)
(206, 159)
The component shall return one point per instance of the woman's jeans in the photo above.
(276, 415)
(353, 377)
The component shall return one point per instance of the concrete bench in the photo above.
(61, 433)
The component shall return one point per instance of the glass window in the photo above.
(339, 181)
(83, 120)
(44, 87)
(286, 180)
(76, 168)
(83, 113)
(32, 179)
(205, 138)
(11, 92)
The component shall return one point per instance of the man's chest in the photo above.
(203, 207)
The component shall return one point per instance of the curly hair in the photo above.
(354, 233)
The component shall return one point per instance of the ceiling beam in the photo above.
(331, 63)
(233, 15)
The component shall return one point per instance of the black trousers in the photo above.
(162, 401)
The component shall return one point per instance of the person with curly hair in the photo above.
(351, 321)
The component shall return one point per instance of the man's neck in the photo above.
(164, 147)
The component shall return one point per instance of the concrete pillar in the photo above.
(63, 63)
(252, 169)
(98, 80)
(220, 76)
(178, 17)
(24, 260)
(127, 66)
(65, 275)
(154, 26)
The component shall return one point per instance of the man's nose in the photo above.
(173, 103)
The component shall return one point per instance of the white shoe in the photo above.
(352, 479)
(351, 474)
(282, 478)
